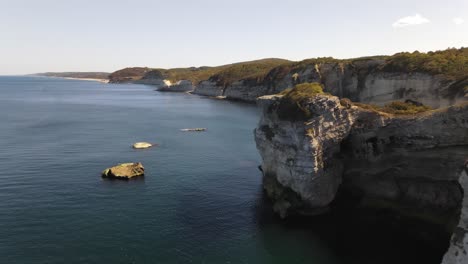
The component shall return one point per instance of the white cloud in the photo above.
(410, 21)
(458, 20)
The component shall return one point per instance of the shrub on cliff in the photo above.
(302, 91)
(397, 107)
(404, 108)
(251, 70)
(451, 63)
(292, 105)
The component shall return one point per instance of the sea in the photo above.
(200, 201)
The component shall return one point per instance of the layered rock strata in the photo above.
(318, 147)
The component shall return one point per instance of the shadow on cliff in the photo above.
(358, 236)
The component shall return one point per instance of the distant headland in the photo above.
(436, 78)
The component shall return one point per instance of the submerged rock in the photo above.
(124, 171)
(142, 145)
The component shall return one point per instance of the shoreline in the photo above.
(86, 79)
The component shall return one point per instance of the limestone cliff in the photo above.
(457, 253)
(437, 79)
(361, 80)
(316, 148)
(180, 86)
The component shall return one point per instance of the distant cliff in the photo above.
(77, 75)
(177, 79)
(436, 78)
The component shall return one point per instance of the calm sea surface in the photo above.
(200, 201)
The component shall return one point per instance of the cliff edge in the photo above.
(316, 147)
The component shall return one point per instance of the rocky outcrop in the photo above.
(295, 152)
(180, 86)
(124, 171)
(142, 145)
(313, 154)
(209, 88)
(318, 148)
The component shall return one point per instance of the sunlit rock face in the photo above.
(180, 86)
(209, 88)
(319, 148)
(299, 154)
(360, 81)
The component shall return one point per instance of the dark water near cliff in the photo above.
(200, 201)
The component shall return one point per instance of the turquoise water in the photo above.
(201, 200)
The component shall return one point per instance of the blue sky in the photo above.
(48, 35)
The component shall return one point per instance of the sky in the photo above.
(101, 35)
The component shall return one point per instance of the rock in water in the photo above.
(124, 171)
(142, 145)
(198, 129)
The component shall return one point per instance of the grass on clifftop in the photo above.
(302, 91)
(397, 108)
(193, 74)
(247, 70)
(293, 106)
(451, 63)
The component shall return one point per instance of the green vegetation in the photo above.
(397, 108)
(223, 75)
(404, 108)
(293, 104)
(128, 74)
(82, 75)
(253, 70)
(195, 75)
(302, 91)
(451, 63)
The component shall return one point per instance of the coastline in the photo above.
(87, 79)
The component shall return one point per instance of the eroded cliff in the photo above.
(366, 81)
(315, 148)
(437, 79)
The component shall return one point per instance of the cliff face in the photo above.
(316, 149)
(361, 81)
(295, 152)
(180, 86)
(437, 79)
(338, 144)
(208, 88)
(457, 253)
